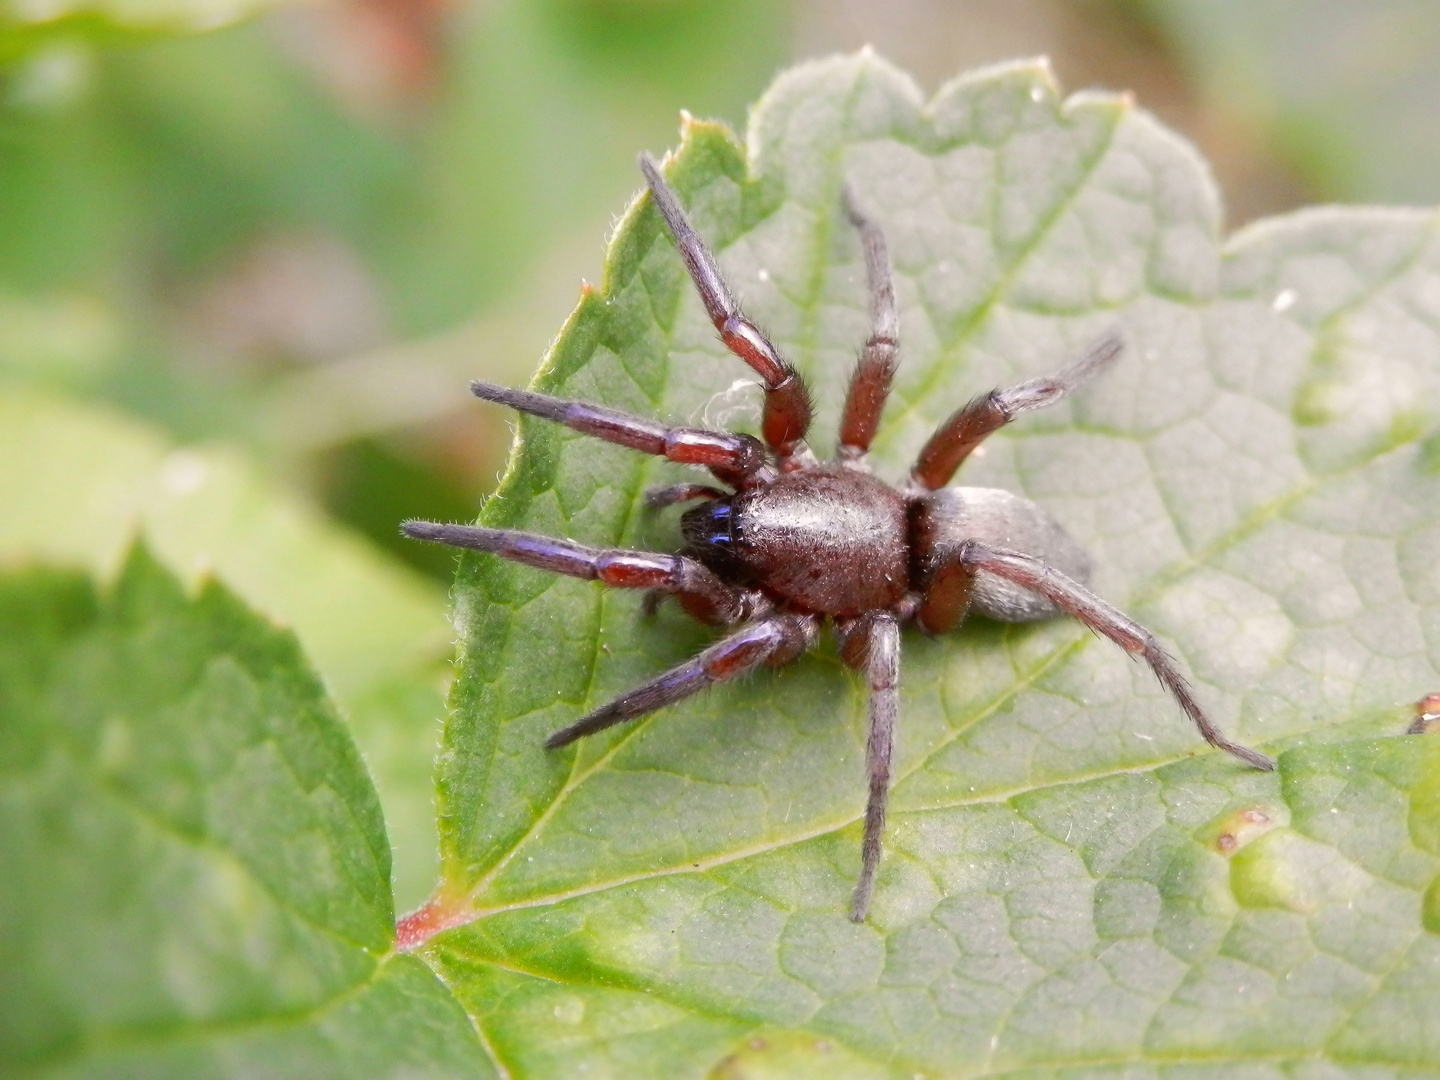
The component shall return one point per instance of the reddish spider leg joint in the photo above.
(805, 543)
(703, 595)
(787, 399)
(726, 451)
(875, 370)
(968, 427)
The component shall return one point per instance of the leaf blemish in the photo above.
(1426, 715)
(1238, 828)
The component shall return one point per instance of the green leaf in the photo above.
(1072, 878)
(78, 481)
(197, 877)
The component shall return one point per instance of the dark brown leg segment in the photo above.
(882, 671)
(723, 451)
(702, 594)
(966, 429)
(1107, 621)
(870, 385)
(658, 498)
(779, 638)
(947, 598)
(787, 399)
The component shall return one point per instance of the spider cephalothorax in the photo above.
(796, 542)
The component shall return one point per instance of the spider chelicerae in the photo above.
(796, 541)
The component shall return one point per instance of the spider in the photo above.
(796, 542)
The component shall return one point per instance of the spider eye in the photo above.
(711, 524)
(709, 531)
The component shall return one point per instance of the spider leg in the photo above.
(946, 599)
(777, 639)
(967, 427)
(874, 643)
(660, 497)
(870, 385)
(1030, 572)
(726, 454)
(787, 398)
(702, 594)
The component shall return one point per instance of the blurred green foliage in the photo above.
(131, 168)
(1346, 93)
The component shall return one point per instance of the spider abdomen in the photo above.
(945, 519)
(829, 540)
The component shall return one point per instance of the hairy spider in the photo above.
(798, 541)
